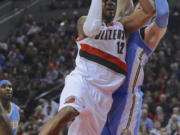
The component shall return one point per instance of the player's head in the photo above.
(124, 8)
(6, 90)
(108, 9)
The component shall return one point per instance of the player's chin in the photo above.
(9, 97)
(110, 17)
(110, 12)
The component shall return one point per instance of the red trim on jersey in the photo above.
(112, 24)
(120, 22)
(110, 58)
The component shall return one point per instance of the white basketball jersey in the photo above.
(101, 58)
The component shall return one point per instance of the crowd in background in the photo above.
(36, 58)
(38, 55)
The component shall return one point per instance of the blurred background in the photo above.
(37, 51)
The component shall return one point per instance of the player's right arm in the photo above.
(90, 25)
(80, 24)
(157, 29)
(5, 128)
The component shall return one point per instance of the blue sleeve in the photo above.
(162, 9)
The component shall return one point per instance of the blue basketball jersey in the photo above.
(125, 113)
(14, 117)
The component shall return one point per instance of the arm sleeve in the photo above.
(162, 9)
(93, 21)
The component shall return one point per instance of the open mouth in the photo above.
(9, 94)
(110, 9)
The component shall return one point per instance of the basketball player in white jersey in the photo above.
(100, 68)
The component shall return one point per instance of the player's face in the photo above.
(109, 9)
(6, 91)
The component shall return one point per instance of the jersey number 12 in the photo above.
(120, 47)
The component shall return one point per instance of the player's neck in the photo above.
(6, 105)
(108, 22)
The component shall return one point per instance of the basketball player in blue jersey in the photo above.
(124, 116)
(100, 68)
(11, 109)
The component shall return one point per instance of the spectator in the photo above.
(163, 103)
(49, 108)
(173, 85)
(52, 74)
(156, 128)
(160, 115)
(147, 121)
(175, 116)
(163, 131)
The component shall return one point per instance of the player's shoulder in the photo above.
(122, 20)
(119, 22)
(80, 23)
(82, 19)
(14, 105)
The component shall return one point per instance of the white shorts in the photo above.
(92, 104)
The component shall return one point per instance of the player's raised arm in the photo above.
(90, 25)
(148, 6)
(140, 17)
(157, 29)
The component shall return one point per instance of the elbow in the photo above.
(92, 29)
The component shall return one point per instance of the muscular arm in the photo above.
(4, 123)
(153, 35)
(157, 29)
(54, 125)
(80, 27)
(148, 6)
(140, 17)
(91, 24)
